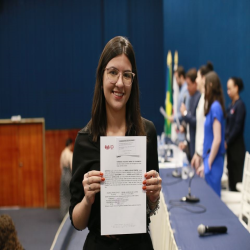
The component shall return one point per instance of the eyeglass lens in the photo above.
(113, 76)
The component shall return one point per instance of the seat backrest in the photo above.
(245, 202)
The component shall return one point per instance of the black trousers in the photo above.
(235, 162)
(124, 242)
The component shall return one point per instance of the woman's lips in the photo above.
(118, 95)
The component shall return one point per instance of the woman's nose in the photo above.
(119, 82)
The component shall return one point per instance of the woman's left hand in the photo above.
(152, 185)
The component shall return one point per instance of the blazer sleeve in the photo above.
(85, 158)
(190, 119)
(152, 153)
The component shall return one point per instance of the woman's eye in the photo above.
(127, 75)
(113, 72)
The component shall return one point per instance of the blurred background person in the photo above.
(234, 144)
(189, 115)
(66, 170)
(8, 234)
(200, 117)
(213, 148)
(183, 97)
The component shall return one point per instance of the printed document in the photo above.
(123, 201)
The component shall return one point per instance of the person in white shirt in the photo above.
(200, 117)
(66, 169)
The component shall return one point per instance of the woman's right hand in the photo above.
(196, 161)
(91, 185)
(200, 171)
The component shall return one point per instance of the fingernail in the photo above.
(145, 175)
(144, 187)
(144, 182)
(101, 173)
(103, 179)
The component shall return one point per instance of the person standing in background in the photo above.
(234, 143)
(8, 234)
(200, 117)
(213, 148)
(182, 98)
(189, 115)
(66, 169)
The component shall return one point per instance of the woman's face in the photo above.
(117, 94)
(200, 81)
(232, 89)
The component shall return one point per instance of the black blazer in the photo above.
(236, 114)
(190, 118)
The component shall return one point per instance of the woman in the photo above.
(115, 112)
(200, 117)
(213, 147)
(234, 143)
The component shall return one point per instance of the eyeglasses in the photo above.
(114, 74)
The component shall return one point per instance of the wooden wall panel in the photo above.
(31, 165)
(8, 166)
(22, 163)
(54, 144)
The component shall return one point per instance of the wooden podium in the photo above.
(22, 163)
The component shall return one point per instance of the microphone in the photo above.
(202, 230)
(189, 197)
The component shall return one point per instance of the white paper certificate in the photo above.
(123, 201)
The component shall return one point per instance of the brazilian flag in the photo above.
(169, 97)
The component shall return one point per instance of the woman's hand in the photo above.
(196, 161)
(182, 145)
(91, 185)
(152, 185)
(200, 171)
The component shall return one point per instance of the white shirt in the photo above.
(200, 120)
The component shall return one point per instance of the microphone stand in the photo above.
(189, 197)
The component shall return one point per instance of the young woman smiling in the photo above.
(115, 112)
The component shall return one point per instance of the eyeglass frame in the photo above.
(133, 74)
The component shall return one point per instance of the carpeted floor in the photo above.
(36, 228)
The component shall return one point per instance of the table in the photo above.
(177, 228)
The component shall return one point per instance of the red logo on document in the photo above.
(109, 147)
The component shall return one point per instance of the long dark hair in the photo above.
(98, 124)
(213, 92)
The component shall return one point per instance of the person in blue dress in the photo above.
(234, 144)
(213, 147)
